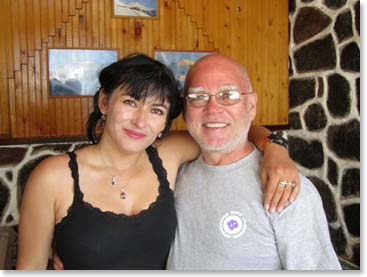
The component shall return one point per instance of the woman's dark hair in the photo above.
(141, 77)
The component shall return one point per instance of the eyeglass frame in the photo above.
(202, 92)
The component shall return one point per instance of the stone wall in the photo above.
(324, 104)
(324, 119)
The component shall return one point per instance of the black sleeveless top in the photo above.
(88, 238)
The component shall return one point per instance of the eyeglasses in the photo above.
(225, 98)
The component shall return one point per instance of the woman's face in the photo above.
(133, 124)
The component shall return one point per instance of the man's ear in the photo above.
(253, 103)
(102, 102)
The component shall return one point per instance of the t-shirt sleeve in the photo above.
(302, 233)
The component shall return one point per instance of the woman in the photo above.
(110, 205)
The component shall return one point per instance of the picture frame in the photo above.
(179, 61)
(74, 72)
(135, 8)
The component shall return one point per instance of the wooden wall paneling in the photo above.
(95, 24)
(102, 24)
(32, 104)
(161, 31)
(132, 43)
(25, 100)
(179, 35)
(19, 124)
(144, 37)
(135, 42)
(121, 35)
(185, 31)
(48, 111)
(200, 10)
(44, 20)
(65, 115)
(125, 43)
(75, 30)
(115, 33)
(78, 4)
(51, 11)
(59, 117)
(71, 115)
(173, 19)
(82, 27)
(107, 24)
(12, 106)
(5, 39)
(85, 111)
(211, 21)
(36, 11)
(68, 27)
(30, 22)
(181, 3)
(58, 13)
(65, 11)
(149, 31)
(156, 35)
(89, 24)
(278, 60)
(78, 116)
(15, 34)
(72, 7)
(38, 93)
(23, 32)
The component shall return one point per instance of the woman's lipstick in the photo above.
(134, 134)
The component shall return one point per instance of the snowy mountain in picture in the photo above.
(135, 8)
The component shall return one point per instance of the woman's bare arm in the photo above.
(276, 166)
(37, 220)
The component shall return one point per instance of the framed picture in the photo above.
(179, 62)
(135, 8)
(74, 72)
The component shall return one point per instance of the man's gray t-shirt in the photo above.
(222, 223)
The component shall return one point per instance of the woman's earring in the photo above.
(160, 135)
(103, 117)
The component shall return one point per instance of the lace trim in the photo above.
(163, 187)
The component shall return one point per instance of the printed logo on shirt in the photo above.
(232, 225)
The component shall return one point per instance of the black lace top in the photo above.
(88, 238)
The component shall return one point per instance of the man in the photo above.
(221, 221)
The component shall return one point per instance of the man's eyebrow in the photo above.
(222, 88)
(195, 89)
(228, 87)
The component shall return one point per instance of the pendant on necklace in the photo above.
(123, 194)
(113, 181)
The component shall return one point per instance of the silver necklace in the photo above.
(114, 182)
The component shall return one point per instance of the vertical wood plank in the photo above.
(32, 97)
(58, 13)
(12, 106)
(75, 30)
(89, 24)
(68, 27)
(29, 27)
(82, 21)
(51, 17)
(48, 121)
(22, 32)
(101, 25)
(25, 100)
(38, 93)
(19, 124)
(95, 24)
(65, 11)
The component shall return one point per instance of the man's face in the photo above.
(220, 128)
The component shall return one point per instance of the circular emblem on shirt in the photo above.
(232, 224)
